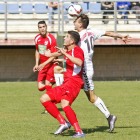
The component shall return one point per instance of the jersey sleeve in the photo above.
(78, 53)
(98, 33)
(53, 45)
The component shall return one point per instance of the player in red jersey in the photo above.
(44, 41)
(69, 90)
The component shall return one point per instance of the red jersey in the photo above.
(43, 44)
(74, 72)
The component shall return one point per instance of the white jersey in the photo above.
(86, 43)
(87, 38)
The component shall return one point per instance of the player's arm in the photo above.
(55, 54)
(41, 66)
(37, 57)
(125, 38)
(74, 60)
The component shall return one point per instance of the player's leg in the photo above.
(41, 85)
(70, 114)
(41, 80)
(46, 101)
(49, 80)
(97, 101)
(48, 85)
(58, 74)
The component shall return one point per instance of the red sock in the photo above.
(70, 114)
(77, 127)
(48, 87)
(42, 89)
(53, 110)
(61, 119)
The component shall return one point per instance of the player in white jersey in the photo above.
(87, 38)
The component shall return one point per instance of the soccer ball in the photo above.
(75, 10)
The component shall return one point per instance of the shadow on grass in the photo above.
(86, 131)
(60, 109)
(97, 129)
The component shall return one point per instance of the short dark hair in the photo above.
(42, 22)
(84, 19)
(75, 36)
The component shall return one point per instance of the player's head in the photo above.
(81, 22)
(72, 38)
(42, 27)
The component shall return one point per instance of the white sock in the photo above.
(100, 104)
(59, 79)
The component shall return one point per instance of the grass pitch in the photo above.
(21, 118)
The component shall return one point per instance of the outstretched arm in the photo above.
(125, 38)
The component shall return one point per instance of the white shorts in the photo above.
(88, 73)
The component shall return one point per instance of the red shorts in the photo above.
(47, 73)
(68, 91)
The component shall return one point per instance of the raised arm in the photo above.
(125, 38)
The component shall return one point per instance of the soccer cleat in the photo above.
(78, 135)
(112, 123)
(62, 128)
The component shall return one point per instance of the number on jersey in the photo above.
(90, 43)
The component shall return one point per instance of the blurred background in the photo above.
(113, 60)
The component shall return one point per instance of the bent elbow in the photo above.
(80, 64)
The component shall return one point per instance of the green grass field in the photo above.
(21, 118)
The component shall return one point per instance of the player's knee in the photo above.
(41, 88)
(44, 98)
(41, 85)
(64, 103)
(58, 70)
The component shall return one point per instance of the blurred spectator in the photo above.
(54, 6)
(107, 6)
(123, 6)
(136, 6)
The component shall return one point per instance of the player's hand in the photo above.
(40, 67)
(35, 68)
(126, 38)
(62, 50)
(47, 53)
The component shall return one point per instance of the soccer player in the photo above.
(87, 38)
(45, 41)
(69, 90)
(86, 43)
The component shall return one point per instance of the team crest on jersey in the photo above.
(46, 42)
(42, 48)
